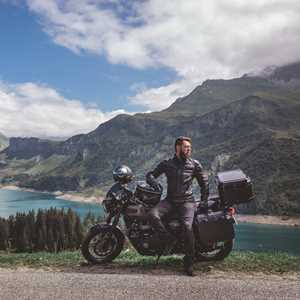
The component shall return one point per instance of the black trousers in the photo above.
(185, 212)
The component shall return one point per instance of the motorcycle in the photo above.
(213, 222)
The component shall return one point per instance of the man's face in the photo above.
(185, 150)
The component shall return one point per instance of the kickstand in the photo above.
(161, 252)
(158, 257)
(166, 250)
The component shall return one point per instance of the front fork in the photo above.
(113, 220)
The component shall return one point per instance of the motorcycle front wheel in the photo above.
(218, 251)
(102, 246)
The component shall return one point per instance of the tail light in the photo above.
(231, 211)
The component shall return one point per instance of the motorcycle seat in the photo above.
(213, 200)
(213, 203)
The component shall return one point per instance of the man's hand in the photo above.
(158, 187)
(150, 179)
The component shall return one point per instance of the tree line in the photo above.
(50, 230)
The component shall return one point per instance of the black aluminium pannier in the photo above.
(234, 187)
(147, 194)
(214, 227)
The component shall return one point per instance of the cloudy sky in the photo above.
(67, 66)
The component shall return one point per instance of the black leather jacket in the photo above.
(180, 174)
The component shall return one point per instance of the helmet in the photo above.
(122, 174)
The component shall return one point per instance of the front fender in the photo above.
(99, 227)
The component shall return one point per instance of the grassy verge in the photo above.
(266, 262)
(41, 259)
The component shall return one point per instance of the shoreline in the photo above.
(268, 219)
(75, 197)
(78, 198)
(241, 218)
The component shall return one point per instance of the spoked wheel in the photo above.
(217, 251)
(103, 245)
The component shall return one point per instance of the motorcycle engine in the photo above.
(141, 236)
(174, 225)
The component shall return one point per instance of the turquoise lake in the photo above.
(249, 236)
(12, 202)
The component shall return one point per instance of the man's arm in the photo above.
(202, 179)
(152, 175)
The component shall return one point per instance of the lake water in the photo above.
(12, 202)
(249, 236)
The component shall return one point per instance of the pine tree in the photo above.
(50, 230)
(70, 222)
(22, 239)
(12, 231)
(41, 231)
(61, 241)
(4, 234)
(31, 231)
(88, 221)
(78, 232)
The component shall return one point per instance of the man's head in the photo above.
(183, 147)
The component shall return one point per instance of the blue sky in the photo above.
(66, 66)
(28, 54)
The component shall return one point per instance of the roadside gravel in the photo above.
(24, 283)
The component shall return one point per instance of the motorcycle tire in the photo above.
(103, 245)
(215, 255)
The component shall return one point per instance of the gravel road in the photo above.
(40, 284)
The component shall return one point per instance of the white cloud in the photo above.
(29, 109)
(161, 97)
(196, 38)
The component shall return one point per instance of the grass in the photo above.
(238, 261)
(41, 259)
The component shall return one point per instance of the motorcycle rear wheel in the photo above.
(217, 254)
(102, 246)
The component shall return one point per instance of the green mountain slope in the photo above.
(249, 123)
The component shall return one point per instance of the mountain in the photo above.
(286, 73)
(3, 141)
(250, 123)
(215, 94)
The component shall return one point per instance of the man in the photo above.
(180, 172)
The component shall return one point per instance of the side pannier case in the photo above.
(234, 187)
(214, 227)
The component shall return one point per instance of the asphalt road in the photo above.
(38, 284)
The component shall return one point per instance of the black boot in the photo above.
(188, 266)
